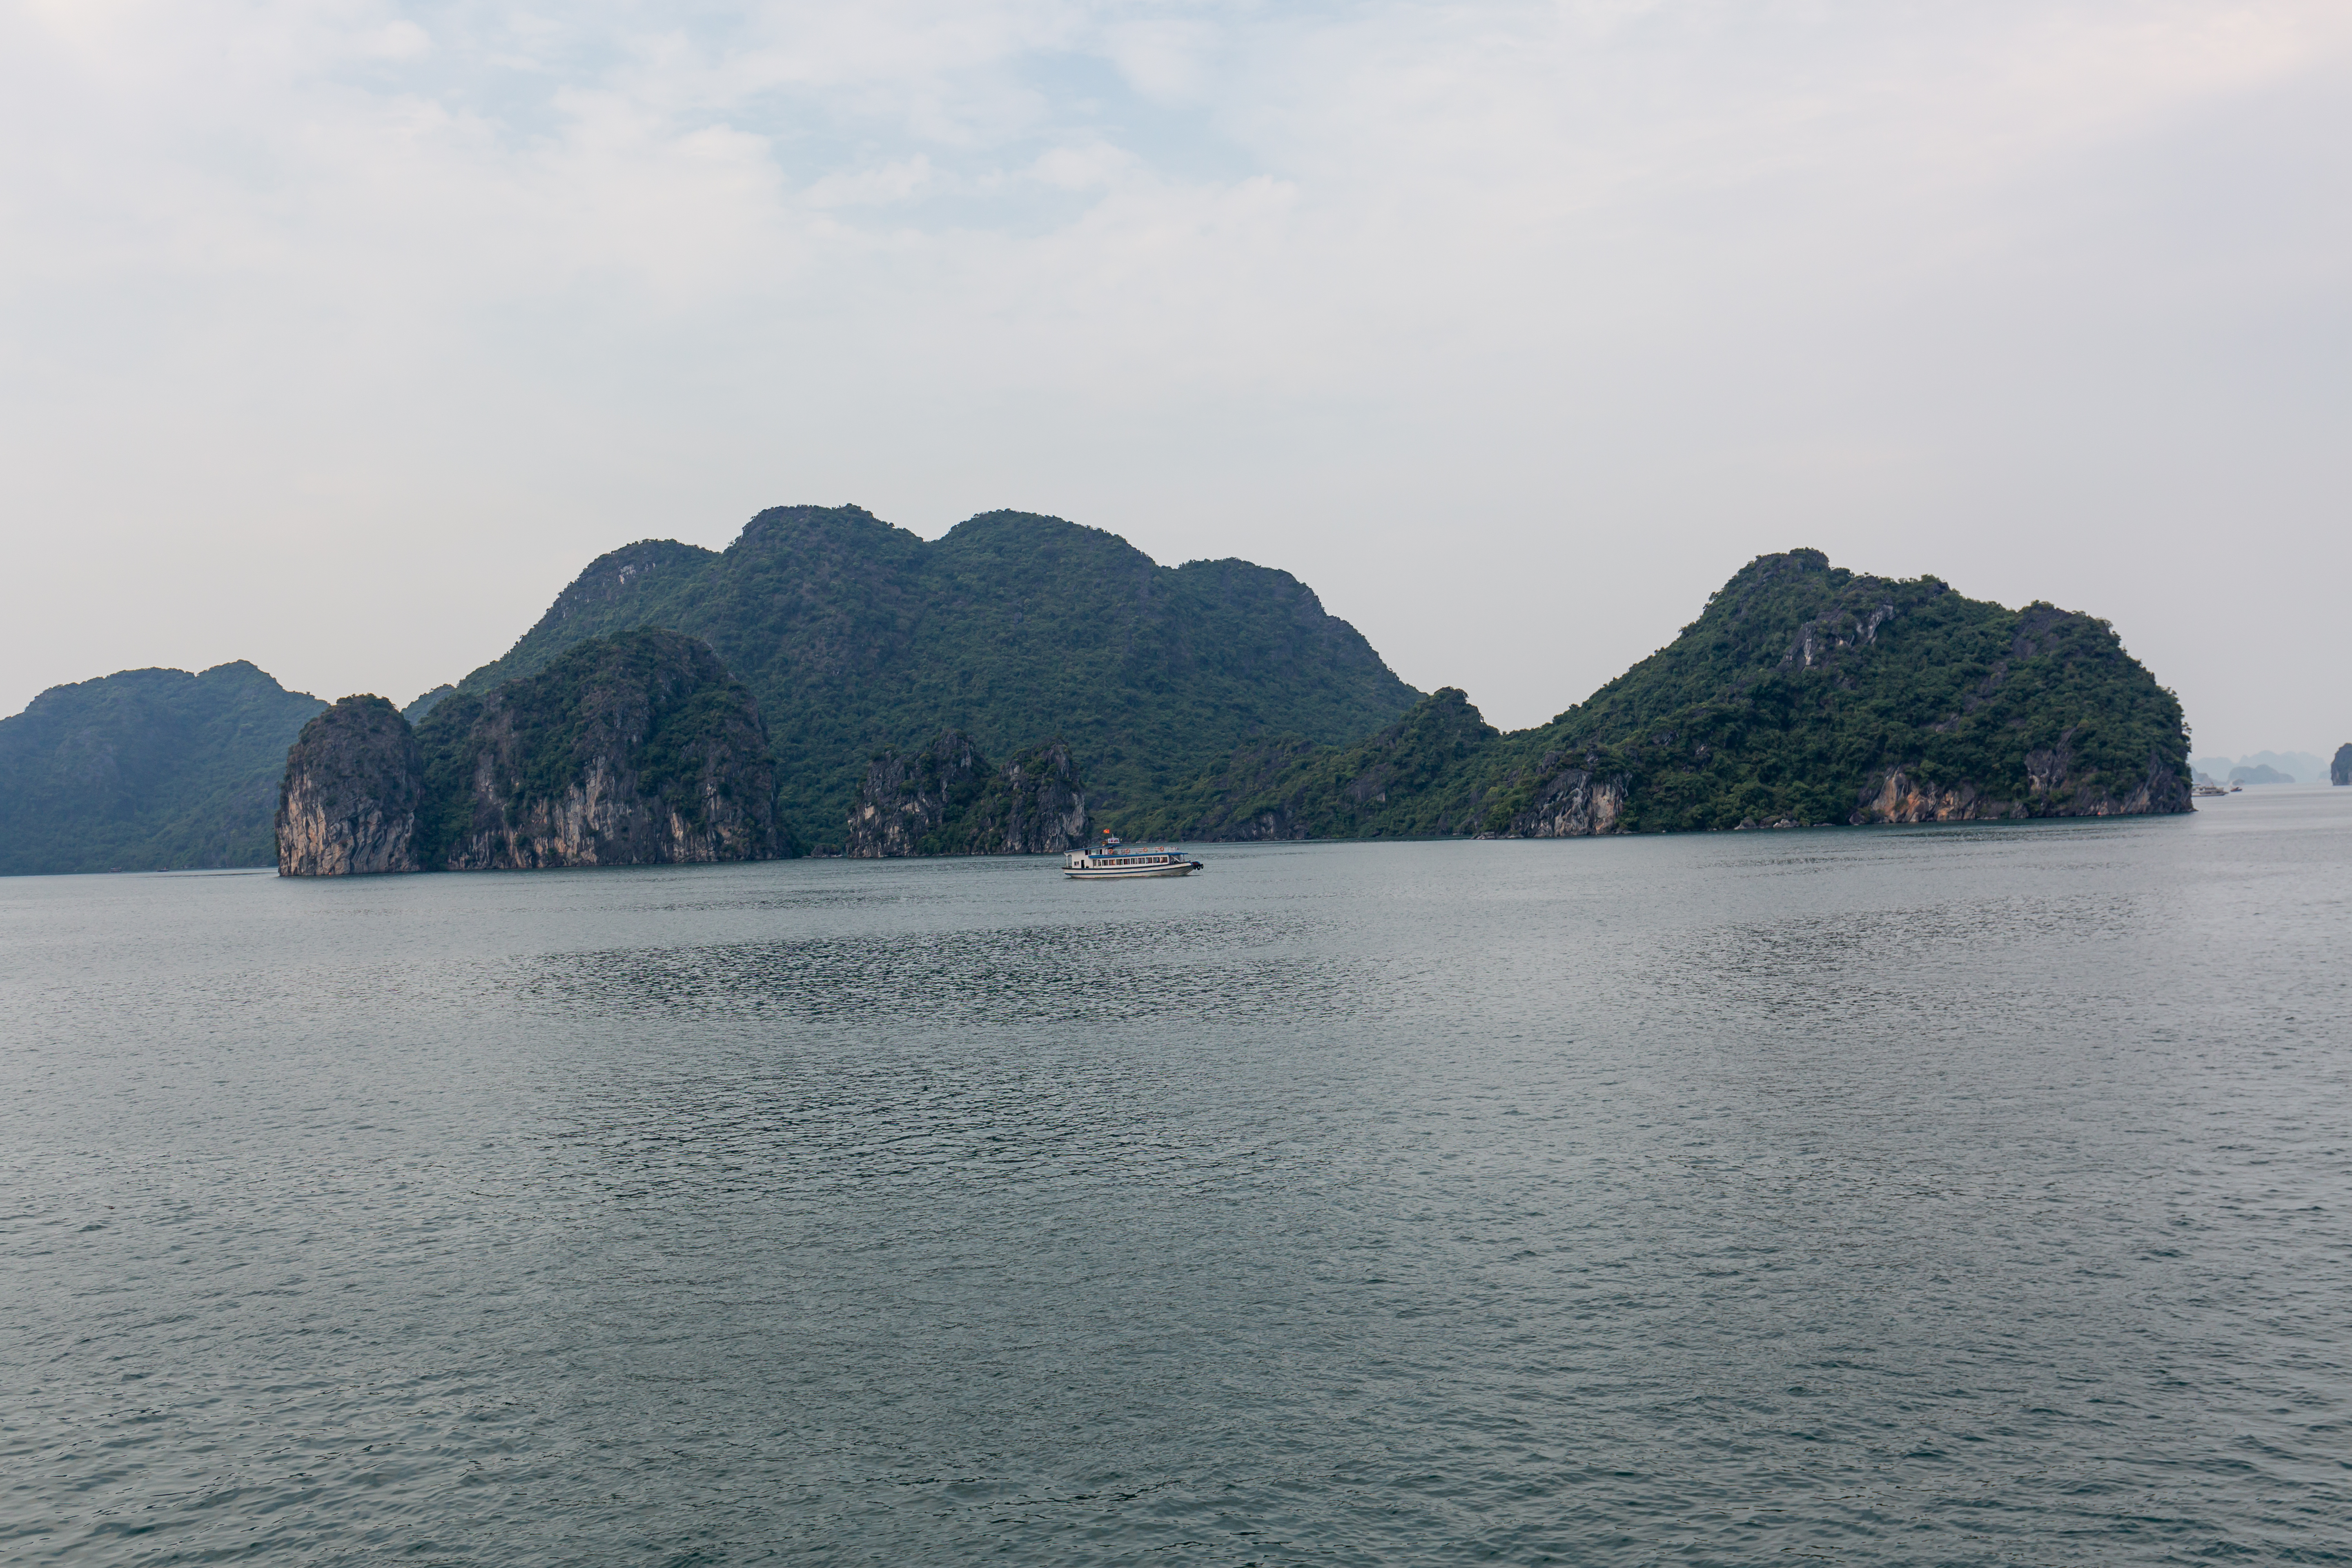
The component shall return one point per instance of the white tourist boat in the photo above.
(1111, 858)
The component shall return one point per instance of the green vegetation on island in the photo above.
(830, 680)
(1803, 694)
(859, 638)
(149, 770)
(947, 799)
(629, 750)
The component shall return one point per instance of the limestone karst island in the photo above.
(832, 684)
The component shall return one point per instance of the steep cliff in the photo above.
(149, 770)
(633, 749)
(1573, 803)
(1803, 694)
(947, 800)
(857, 637)
(2339, 772)
(347, 805)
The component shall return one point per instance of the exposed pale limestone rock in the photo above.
(947, 800)
(348, 802)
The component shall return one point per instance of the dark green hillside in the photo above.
(651, 705)
(416, 711)
(856, 637)
(638, 585)
(1803, 694)
(1402, 782)
(647, 710)
(149, 770)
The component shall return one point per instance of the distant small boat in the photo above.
(1111, 858)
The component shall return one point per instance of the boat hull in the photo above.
(1129, 873)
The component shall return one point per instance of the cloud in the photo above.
(1166, 60)
(400, 40)
(1093, 165)
(884, 185)
(1390, 295)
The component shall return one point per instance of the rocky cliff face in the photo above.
(627, 751)
(947, 800)
(2052, 789)
(348, 805)
(1571, 803)
(906, 799)
(2339, 772)
(635, 750)
(1033, 806)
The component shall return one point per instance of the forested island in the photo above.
(1803, 694)
(149, 770)
(1013, 630)
(831, 684)
(637, 748)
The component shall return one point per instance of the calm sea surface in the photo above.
(1948, 1196)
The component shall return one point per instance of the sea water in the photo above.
(1963, 1194)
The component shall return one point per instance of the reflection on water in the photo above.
(1968, 1196)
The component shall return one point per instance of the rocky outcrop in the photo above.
(1033, 806)
(627, 751)
(1900, 797)
(906, 799)
(2051, 790)
(947, 800)
(348, 804)
(1850, 627)
(2339, 772)
(635, 750)
(2163, 792)
(1572, 804)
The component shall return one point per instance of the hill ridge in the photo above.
(147, 770)
(859, 637)
(1802, 693)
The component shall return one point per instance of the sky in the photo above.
(339, 336)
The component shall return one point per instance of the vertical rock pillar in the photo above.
(348, 805)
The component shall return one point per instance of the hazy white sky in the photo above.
(339, 336)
